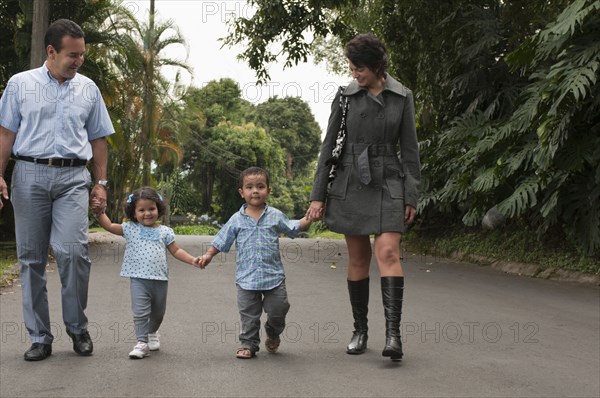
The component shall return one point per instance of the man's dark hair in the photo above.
(366, 50)
(250, 171)
(59, 29)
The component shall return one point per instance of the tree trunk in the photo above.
(38, 30)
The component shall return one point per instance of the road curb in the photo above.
(529, 270)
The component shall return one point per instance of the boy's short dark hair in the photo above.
(366, 50)
(253, 171)
(59, 29)
(144, 193)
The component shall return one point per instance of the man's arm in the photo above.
(100, 158)
(7, 139)
(99, 165)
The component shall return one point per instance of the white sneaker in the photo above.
(140, 351)
(154, 341)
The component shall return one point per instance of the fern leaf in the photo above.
(523, 198)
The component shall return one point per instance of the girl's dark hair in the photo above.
(366, 50)
(59, 29)
(253, 171)
(143, 193)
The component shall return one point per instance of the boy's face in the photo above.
(255, 190)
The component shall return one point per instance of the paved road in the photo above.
(469, 331)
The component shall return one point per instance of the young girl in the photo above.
(145, 263)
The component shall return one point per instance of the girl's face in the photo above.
(255, 190)
(363, 75)
(146, 212)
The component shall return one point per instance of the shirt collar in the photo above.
(46, 71)
(245, 205)
(390, 84)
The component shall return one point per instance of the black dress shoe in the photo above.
(38, 352)
(82, 343)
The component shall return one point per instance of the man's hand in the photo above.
(3, 191)
(98, 199)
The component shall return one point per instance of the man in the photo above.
(53, 121)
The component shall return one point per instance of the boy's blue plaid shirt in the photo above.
(259, 265)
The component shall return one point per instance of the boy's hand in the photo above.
(205, 260)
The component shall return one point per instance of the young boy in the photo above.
(260, 277)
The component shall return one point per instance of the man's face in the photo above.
(64, 65)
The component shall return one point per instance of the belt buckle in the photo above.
(53, 162)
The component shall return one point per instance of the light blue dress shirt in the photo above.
(259, 265)
(53, 120)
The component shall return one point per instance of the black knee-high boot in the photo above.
(359, 299)
(392, 292)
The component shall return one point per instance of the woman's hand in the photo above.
(409, 214)
(315, 210)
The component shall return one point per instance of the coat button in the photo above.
(377, 187)
(380, 115)
(377, 163)
(363, 115)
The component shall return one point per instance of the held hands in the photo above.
(204, 260)
(197, 262)
(315, 210)
(98, 200)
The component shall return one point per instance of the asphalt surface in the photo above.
(468, 331)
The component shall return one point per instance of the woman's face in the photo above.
(363, 75)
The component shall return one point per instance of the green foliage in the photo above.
(229, 134)
(290, 122)
(179, 193)
(506, 92)
(196, 230)
(516, 244)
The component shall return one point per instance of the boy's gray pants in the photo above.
(251, 304)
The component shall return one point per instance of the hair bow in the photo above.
(130, 198)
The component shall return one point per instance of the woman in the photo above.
(376, 188)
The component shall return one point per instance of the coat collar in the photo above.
(390, 84)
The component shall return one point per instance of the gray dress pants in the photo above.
(51, 208)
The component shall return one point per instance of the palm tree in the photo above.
(140, 59)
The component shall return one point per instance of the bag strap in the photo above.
(340, 140)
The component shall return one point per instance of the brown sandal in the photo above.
(245, 353)
(272, 343)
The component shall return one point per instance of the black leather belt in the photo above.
(55, 162)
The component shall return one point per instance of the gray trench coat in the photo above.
(382, 139)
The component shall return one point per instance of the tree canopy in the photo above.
(506, 93)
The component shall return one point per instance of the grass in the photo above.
(8, 259)
(510, 245)
(315, 231)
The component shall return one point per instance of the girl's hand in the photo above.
(197, 263)
(97, 206)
